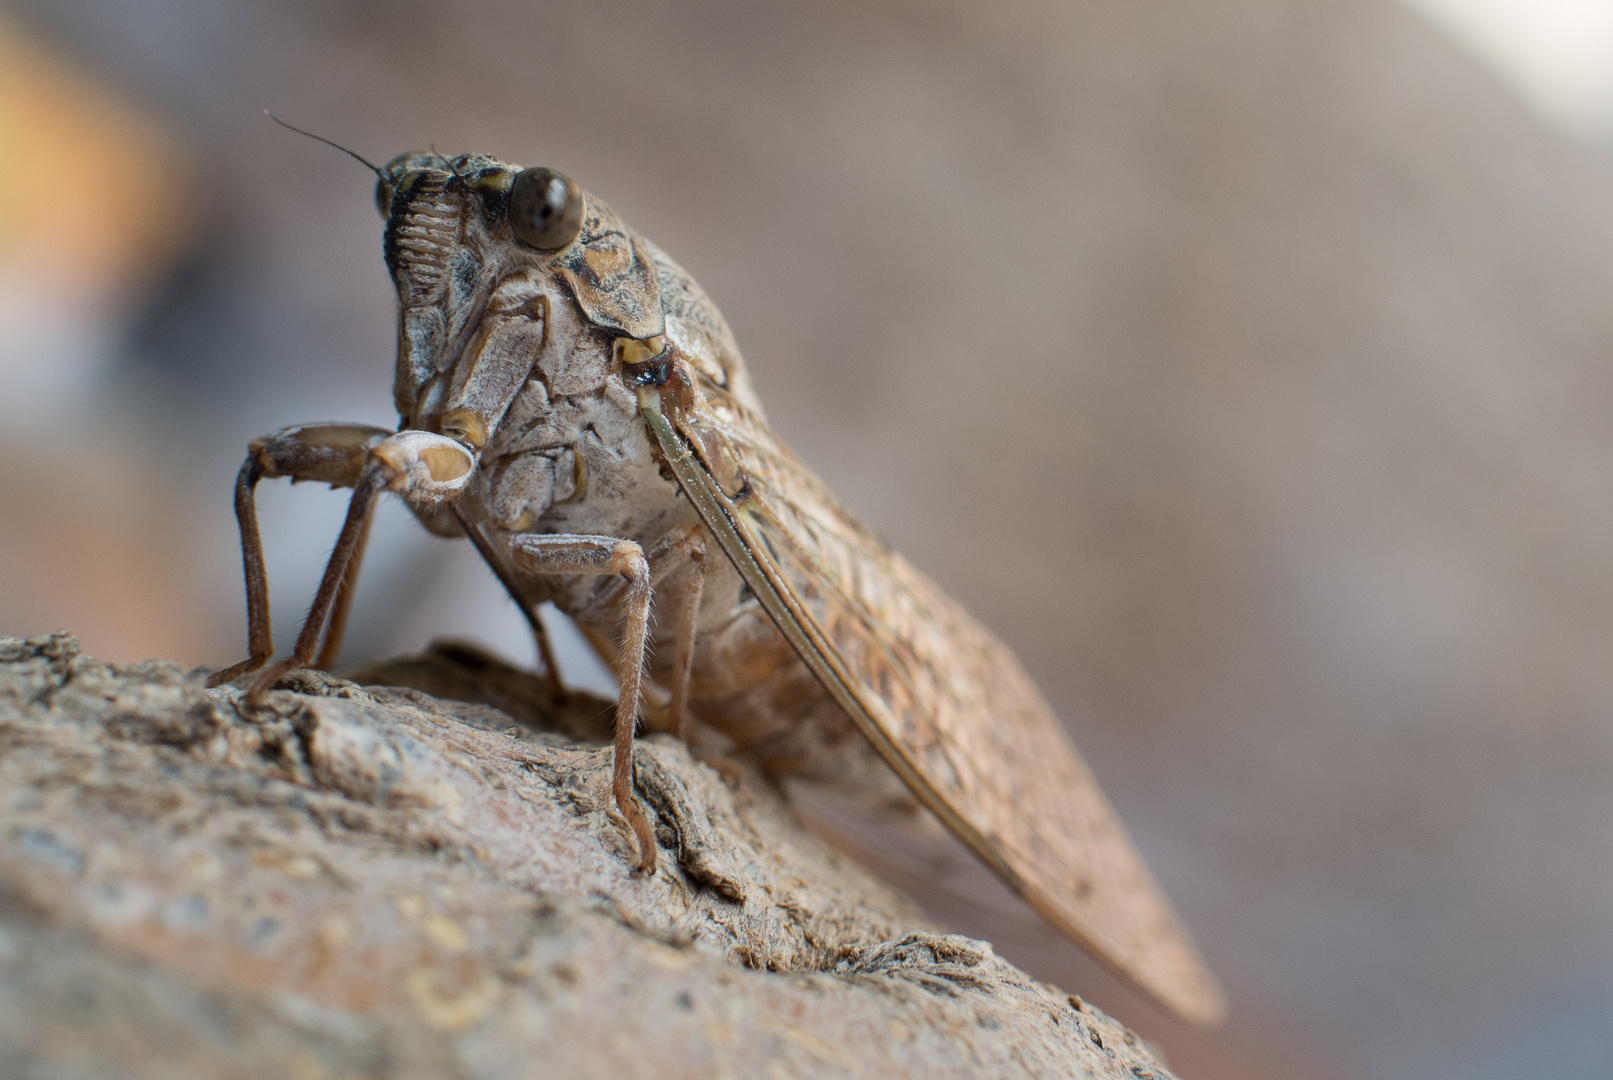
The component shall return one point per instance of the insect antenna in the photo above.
(320, 138)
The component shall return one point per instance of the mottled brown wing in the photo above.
(944, 702)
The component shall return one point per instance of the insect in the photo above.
(573, 403)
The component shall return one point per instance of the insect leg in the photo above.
(602, 555)
(422, 467)
(551, 670)
(260, 642)
(682, 546)
(332, 453)
(331, 651)
(354, 529)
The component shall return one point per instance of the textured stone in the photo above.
(372, 881)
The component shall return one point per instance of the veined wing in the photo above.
(942, 700)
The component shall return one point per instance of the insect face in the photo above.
(488, 261)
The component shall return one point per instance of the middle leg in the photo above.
(551, 669)
(683, 547)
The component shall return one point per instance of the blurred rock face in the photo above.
(1244, 364)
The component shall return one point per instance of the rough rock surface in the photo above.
(372, 881)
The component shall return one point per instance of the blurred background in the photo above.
(1243, 363)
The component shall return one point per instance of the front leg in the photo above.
(547, 556)
(332, 453)
(425, 469)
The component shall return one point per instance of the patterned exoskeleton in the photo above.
(574, 404)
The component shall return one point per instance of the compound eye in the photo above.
(383, 196)
(394, 171)
(545, 208)
(402, 171)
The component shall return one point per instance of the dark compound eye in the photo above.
(545, 208)
(387, 188)
(394, 172)
(383, 196)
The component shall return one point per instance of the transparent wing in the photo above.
(943, 701)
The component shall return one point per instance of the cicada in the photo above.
(573, 403)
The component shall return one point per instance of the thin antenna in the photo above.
(327, 142)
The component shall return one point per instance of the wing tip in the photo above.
(1164, 964)
(1199, 1000)
(1175, 976)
